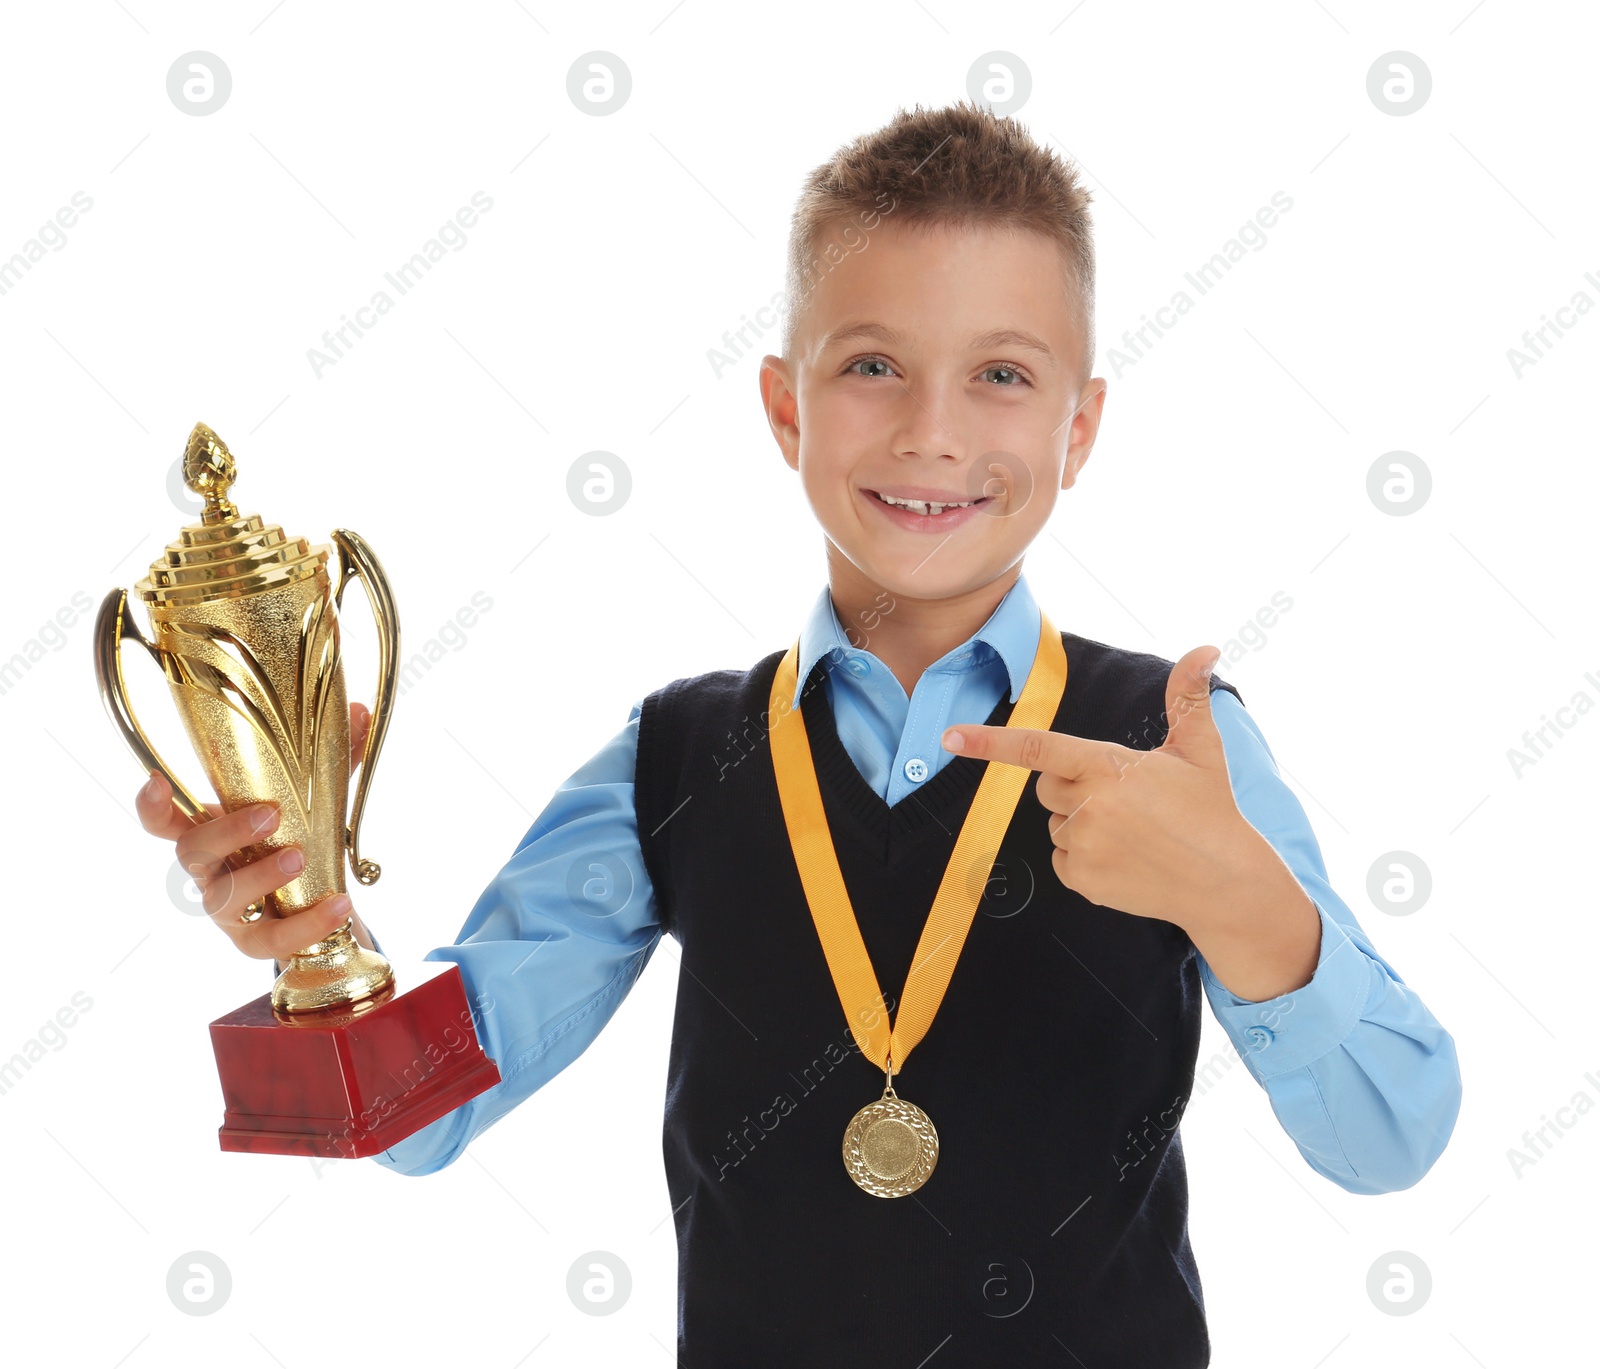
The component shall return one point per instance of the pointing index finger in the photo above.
(1054, 753)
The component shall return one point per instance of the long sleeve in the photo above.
(1358, 1072)
(551, 947)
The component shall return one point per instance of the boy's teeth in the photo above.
(919, 506)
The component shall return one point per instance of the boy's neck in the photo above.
(908, 635)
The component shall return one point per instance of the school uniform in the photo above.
(1056, 1070)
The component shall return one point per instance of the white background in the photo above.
(1232, 464)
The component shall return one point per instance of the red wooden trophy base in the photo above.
(350, 1085)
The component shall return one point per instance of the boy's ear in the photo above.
(783, 408)
(1077, 458)
(1085, 428)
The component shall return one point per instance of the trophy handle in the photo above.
(112, 625)
(356, 560)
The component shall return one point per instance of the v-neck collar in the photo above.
(934, 808)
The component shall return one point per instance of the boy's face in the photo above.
(935, 361)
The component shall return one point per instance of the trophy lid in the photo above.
(224, 555)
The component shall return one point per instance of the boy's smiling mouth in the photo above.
(923, 508)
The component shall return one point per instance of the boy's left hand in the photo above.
(1155, 833)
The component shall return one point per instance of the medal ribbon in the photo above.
(956, 903)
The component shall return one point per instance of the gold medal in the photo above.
(890, 1146)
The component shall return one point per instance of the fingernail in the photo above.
(263, 818)
(291, 861)
(339, 906)
(152, 789)
(953, 741)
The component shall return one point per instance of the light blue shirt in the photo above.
(1358, 1071)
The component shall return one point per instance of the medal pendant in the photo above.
(890, 1146)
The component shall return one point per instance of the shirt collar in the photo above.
(1011, 632)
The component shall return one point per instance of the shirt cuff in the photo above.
(1278, 1035)
(422, 1152)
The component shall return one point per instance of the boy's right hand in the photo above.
(210, 850)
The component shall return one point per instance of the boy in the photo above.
(792, 826)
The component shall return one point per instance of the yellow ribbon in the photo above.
(956, 903)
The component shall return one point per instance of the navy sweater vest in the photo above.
(1055, 1222)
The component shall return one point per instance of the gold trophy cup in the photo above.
(245, 627)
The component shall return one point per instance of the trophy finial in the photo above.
(209, 470)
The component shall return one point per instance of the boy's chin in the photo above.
(917, 577)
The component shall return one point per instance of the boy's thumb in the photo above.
(1191, 728)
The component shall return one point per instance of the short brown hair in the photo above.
(959, 165)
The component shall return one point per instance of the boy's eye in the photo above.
(1009, 376)
(869, 361)
(1004, 377)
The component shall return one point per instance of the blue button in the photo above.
(916, 770)
(858, 666)
(1259, 1037)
